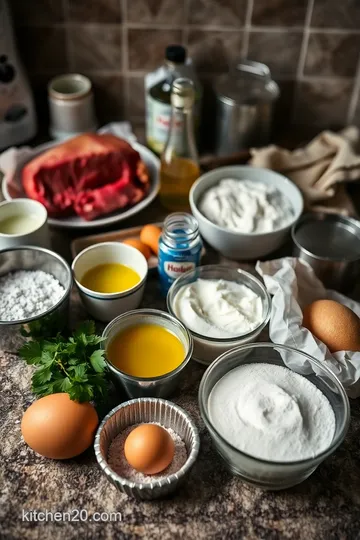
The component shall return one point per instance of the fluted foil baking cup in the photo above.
(145, 410)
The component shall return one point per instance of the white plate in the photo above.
(76, 222)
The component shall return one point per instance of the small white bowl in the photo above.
(38, 236)
(107, 306)
(244, 246)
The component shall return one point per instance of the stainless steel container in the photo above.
(147, 410)
(163, 385)
(52, 320)
(244, 107)
(330, 243)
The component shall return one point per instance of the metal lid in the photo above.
(175, 53)
(182, 92)
(249, 83)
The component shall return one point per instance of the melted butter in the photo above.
(146, 350)
(110, 278)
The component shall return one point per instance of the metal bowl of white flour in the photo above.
(35, 286)
(274, 413)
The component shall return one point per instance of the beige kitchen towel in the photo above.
(320, 169)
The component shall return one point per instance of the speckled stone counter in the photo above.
(212, 504)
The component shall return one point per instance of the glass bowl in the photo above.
(272, 474)
(207, 349)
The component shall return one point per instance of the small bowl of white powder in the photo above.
(116, 426)
(245, 212)
(222, 308)
(35, 285)
(272, 419)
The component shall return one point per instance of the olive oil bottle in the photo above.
(179, 160)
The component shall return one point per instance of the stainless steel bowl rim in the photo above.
(61, 301)
(322, 455)
(154, 312)
(191, 458)
(247, 335)
(322, 217)
(260, 170)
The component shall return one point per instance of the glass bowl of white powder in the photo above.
(35, 286)
(273, 413)
(222, 307)
(245, 212)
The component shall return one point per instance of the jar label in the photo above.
(158, 116)
(173, 269)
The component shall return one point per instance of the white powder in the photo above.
(272, 413)
(118, 463)
(27, 293)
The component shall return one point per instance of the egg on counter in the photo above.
(150, 235)
(140, 246)
(149, 448)
(337, 326)
(57, 427)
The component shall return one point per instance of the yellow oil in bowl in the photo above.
(146, 350)
(110, 278)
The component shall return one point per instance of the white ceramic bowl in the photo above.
(244, 246)
(39, 236)
(207, 349)
(107, 306)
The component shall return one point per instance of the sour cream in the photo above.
(218, 308)
(246, 206)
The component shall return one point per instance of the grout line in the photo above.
(354, 96)
(186, 29)
(125, 54)
(305, 41)
(69, 55)
(247, 26)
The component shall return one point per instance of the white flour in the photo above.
(272, 413)
(27, 293)
(246, 206)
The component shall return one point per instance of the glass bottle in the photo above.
(179, 161)
(180, 248)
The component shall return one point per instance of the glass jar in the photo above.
(180, 248)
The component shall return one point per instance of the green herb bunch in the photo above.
(74, 365)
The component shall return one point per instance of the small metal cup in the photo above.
(163, 385)
(330, 243)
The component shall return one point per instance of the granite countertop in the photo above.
(211, 504)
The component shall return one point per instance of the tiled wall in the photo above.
(311, 46)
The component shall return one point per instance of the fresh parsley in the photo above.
(74, 365)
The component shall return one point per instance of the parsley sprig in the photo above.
(74, 365)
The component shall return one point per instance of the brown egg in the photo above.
(337, 326)
(140, 246)
(59, 428)
(150, 235)
(149, 448)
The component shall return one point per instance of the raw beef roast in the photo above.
(89, 175)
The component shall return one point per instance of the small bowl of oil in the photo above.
(110, 278)
(146, 352)
(23, 222)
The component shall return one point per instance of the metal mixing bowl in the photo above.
(36, 258)
(147, 410)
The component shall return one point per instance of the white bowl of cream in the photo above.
(272, 419)
(222, 307)
(23, 222)
(245, 212)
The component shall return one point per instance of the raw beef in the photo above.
(89, 175)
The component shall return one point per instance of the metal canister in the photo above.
(244, 107)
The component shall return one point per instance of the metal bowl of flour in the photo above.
(52, 319)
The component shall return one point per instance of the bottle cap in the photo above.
(175, 53)
(183, 93)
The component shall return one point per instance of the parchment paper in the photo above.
(294, 285)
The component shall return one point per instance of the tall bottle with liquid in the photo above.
(179, 161)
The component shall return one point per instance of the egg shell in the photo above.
(149, 448)
(150, 235)
(337, 326)
(140, 246)
(57, 427)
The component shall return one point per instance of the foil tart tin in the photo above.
(145, 410)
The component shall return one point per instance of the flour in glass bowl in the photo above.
(246, 206)
(271, 413)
